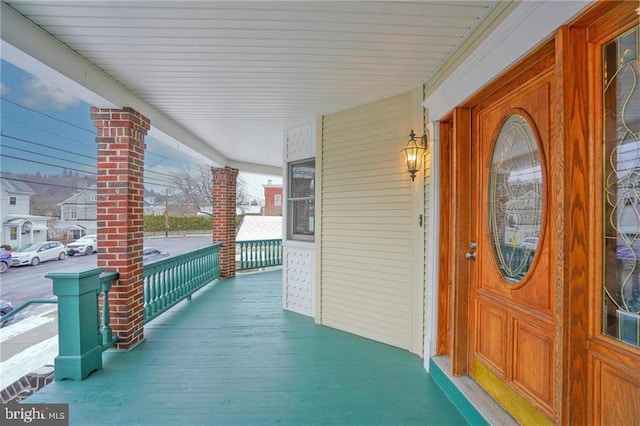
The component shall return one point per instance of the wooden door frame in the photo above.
(453, 276)
(445, 230)
(573, 144)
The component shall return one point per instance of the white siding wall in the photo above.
(367, 223)
(22, 205)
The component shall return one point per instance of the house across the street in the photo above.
(18, 226)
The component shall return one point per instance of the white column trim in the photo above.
(431, 278)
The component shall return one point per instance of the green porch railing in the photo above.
(106, 278)
(83, 335)
(14, 312)
(169, 281)
(108, 339)
(258, 254)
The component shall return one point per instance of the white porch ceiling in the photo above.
(232, 75)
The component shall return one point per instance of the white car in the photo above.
(34, 253)
(84, 245)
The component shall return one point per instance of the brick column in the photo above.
(224, 217)
(121, 147)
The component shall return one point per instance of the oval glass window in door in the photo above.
(516, 198)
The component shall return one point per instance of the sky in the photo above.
(45, 129)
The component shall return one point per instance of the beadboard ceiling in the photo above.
(237, 73)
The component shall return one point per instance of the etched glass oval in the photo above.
(515, 199)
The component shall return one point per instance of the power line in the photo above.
(49, 156)
(150, 180)
(91, 131)
(50, 132)
(4, 135)
(158, 173)
(58, 185)
(47, 164)
(39, 183)
(66, 151)
(49, 116)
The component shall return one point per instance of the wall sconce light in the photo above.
(414, 151)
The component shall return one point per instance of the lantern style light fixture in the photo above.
(414, 151)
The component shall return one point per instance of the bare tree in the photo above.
(196, 188)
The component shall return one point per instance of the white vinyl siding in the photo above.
(367, 222)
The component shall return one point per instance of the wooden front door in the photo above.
(512, 341)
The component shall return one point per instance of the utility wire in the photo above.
(47, 164)
(55, 184)
(50, 156)
(49, 116)
(66, 151)
(4, 135)
(28, 125)
(39, 183)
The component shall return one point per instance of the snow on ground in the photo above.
(15, 328)
(32, 358)
(28, 361)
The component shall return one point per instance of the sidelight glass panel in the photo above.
(515, 199)
(621, 218)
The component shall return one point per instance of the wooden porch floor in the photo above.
(232, 356)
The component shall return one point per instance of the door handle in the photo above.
(471, 254)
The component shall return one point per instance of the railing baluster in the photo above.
(258, 254)
(169, 281)
(106, 279)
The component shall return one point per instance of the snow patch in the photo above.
(28, 361)
(22, 326)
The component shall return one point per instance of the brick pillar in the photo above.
(121, 147)
(224, 217)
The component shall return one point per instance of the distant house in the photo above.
(78, 215)
(80, 206)
(18, 226)
(152, 208)
(272, 199)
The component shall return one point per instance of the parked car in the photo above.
(5, 260)
(84, 245)
(34, 253)
(150, 254)
(5, 308)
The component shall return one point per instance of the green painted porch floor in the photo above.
(233, 356)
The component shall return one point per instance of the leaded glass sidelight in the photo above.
(515, 198)
(621, 218)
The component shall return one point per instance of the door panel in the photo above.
(491, 345)
(513, 286)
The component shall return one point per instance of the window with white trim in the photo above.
(301, 201)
